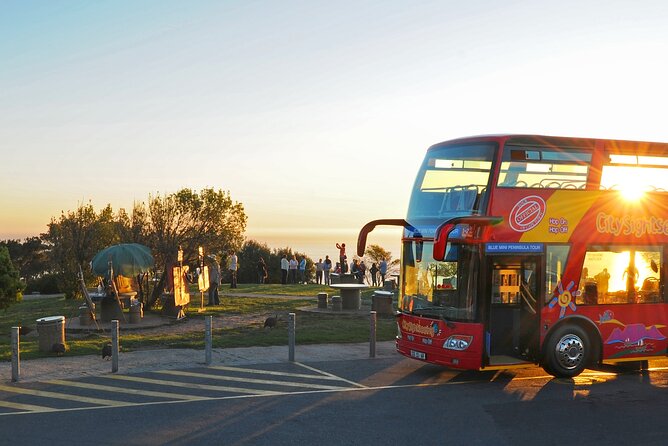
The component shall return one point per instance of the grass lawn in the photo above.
(311, 328)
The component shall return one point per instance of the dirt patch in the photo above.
(191, 325)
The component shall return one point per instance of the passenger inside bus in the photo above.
(623, 278)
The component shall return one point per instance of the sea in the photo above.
(318, 244)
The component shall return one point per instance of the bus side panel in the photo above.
(627, 330)
(423, 338)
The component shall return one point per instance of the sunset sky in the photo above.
(314, 114)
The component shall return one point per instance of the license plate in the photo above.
(418, 355)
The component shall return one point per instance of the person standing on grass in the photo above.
(214, 281)
(285, 266)
(362, 269)
(318, 271)
(302, 270)
(293, 270)
(382, 269)
(327, 269)
(374, 274)
(261, 271)
(233, 267)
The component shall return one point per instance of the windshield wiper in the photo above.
(436, 312)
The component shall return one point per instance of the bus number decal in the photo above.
(527, 213)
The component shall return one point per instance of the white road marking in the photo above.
(248, 380)
(193, 385)
(271, 372)
(62, 396)
(86, 385)
(331, 375)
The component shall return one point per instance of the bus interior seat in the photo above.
(450, 200)
(467, 199)
(650, 284)
(590, 293)
(649, 291)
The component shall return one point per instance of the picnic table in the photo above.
(351, 294)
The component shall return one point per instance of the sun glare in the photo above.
(632, 191)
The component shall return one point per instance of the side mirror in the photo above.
(444, 230)
(441, 240)
(361, 238)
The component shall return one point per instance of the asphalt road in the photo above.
(361, 402)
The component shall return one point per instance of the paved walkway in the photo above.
(65, 367)
(45, 369)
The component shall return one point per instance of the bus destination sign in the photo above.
(508, 248)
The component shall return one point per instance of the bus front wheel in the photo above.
(567, 352)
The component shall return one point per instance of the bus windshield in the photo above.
(445, 290)
(452, 180)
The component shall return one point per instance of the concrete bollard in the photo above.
(208, 322)
(322, 300)
(16, 355)
(114, 346)
(372, 334)
(291, 337)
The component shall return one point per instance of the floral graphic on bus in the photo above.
(565, 298)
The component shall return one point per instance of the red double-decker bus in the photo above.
(525, 249)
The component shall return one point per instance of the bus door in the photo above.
(513, 326)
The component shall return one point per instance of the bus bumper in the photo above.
(438, 355)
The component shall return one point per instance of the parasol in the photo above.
(127, 259)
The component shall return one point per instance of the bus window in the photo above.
(543, 168)
(452, 181)
(620, 274)
(556, 256)
(440, 289)
(635, 174)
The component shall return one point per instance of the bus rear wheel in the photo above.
(567, 352)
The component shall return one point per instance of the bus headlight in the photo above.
(398, 331)
(458, 342)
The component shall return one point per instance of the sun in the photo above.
(632, 192)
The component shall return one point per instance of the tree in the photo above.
(188, 219)
(29, 257)
(10, 284)
(73, 241)
(249, 256)
(375, 253)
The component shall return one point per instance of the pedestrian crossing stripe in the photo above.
(25, 407)
(249, 380)
(115, 389)
(62, 396)
(333, 376)
(194, 386)
(271, 372)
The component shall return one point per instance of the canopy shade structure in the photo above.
(127, 259)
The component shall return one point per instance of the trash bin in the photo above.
(135, 313)
(381, 302)
(322, 300)
(337, 303)
(51, 330)
(85, 315)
